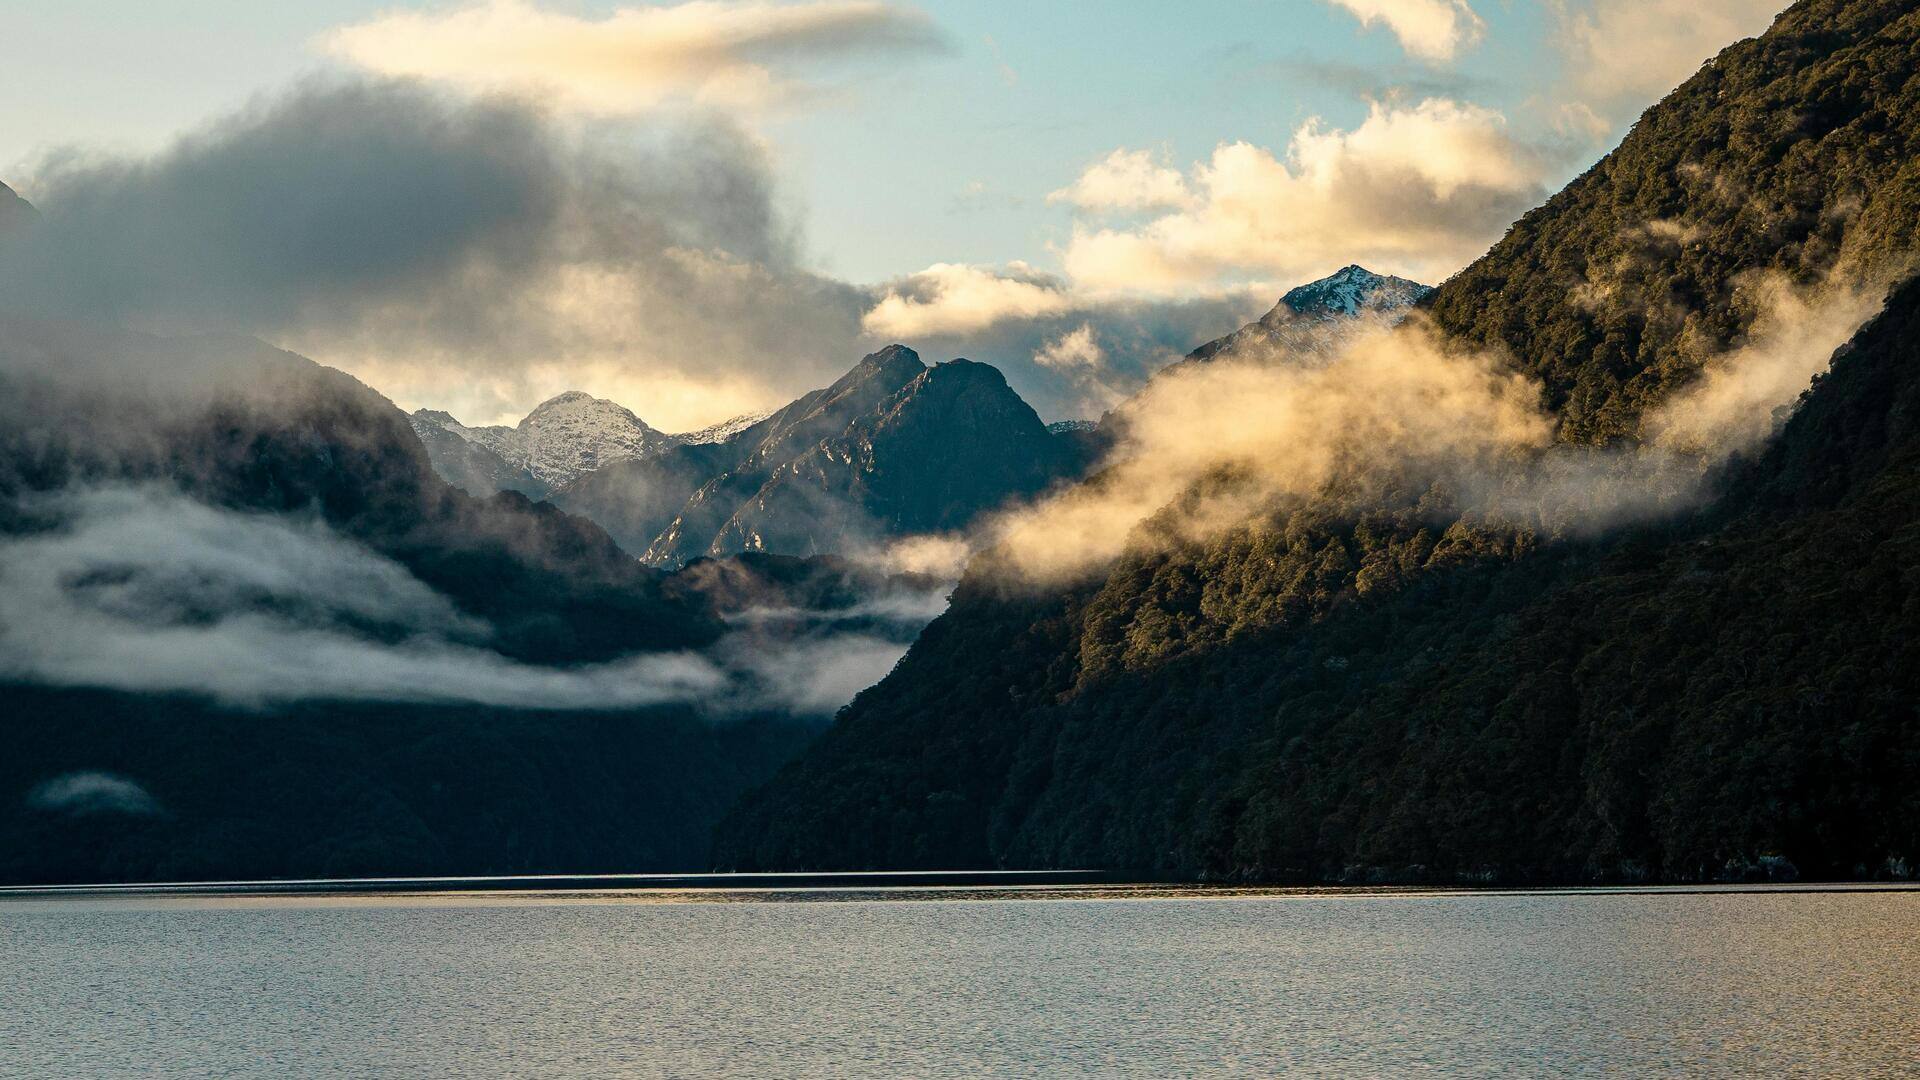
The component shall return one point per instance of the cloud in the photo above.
(634, 59)
(1126, 180)
(1245, 430)
(1623, 55)
(464, 255)
(146, 590)
(1431, 30)
(1416, 190)
(1078, 348)
(1017, 318)
(479, 257)
(1733, 406)
(951, 298)
(89, 793)
(1397, 408)
(143, 589)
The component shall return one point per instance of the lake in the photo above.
(1054, 982)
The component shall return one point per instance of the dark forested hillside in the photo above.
(1382, 682)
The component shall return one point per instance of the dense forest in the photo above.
(1387, 682)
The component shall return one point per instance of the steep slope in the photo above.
(13, 208)
(952, 443)
(765, 447)
(469, 465)
(1380, 683)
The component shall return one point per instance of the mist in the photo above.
(1398, 407)
(143, 589)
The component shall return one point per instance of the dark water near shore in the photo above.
(1055, 982)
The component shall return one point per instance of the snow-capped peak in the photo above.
(563, 437)
(1350, 291)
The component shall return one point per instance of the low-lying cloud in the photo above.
(143, 589)
(1396, 409)
(90, 793)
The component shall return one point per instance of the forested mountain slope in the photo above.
(1382, 680)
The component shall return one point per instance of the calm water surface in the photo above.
(1046, 983)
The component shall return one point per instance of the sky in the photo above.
(706, 208)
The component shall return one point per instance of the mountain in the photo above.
(724, 431)
(467, 464)
(1385, 682)
(1313, 318)
(893, 448)
(248, 513)
(561, 439)
(13, 208)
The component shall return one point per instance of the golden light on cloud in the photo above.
(1432, 30)
(635, 59)
(1417, 189)
(952, 298)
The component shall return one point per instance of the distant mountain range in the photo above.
(893, 448)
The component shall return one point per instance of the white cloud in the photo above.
(1078, 348)
(953, 298)
(1126, 180)
(1623, 55)
(1414, 189)
(1432, 30)
(147, 590)
(739, 54)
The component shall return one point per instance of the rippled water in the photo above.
(1055, 984)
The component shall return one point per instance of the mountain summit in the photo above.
(891, 448)
(1312, 318)
(562, 438)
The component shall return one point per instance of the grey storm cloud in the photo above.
(382, 225)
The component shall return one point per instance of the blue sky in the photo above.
(930, 158)
(1075, 191)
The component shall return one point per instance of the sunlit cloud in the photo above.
(1623, 55)
(740, 55)
(1126, 180)
(951, 298)
(1416, 190)
(1432, 30)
